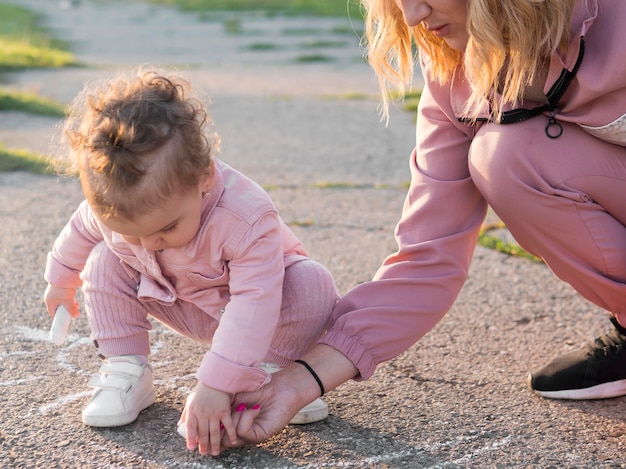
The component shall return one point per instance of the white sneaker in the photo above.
(310, 413)
(316, 411)
(122, 390)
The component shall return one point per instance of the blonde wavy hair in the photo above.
(136, 140)
(509, 42)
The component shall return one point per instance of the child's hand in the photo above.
(206, 415)
(56, 296)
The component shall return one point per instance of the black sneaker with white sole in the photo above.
(598, 371)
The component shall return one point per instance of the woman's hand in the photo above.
(271, 408)
(268, 410)
(54, 297)
(207, 418)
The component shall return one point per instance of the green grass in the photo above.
(411, 100)
(262, 46)
(309, 58)
(21, 160)
(29, 102)
(490, 241)
(320, 44)
(232, 26)
(347, 97)
(25, 44)
(15, 55)
(331, 8)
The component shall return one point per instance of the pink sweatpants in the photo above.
(562, 199)
(119, 320)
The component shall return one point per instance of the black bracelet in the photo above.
(314, 374)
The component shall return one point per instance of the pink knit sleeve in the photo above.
(227, 376)
(71, 248)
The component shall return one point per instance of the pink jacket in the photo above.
(233, 270)
(437, 233)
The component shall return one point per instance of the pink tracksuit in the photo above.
(563, 199)
(244, 284)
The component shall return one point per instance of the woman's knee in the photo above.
(518, 161)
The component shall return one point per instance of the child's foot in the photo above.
(310, 413)
(122, 390)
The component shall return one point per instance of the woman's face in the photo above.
(446, 19)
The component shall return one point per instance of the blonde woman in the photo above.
(524, 109)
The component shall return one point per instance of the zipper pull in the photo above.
(554, 129)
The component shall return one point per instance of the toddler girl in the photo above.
(169, 231)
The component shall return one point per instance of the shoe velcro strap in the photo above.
(121, 368)
(119, 383)
(117, 375)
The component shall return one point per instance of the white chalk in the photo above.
(60, 325)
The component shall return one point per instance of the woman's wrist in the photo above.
(297, 385)
(314, 374)
(327, 365)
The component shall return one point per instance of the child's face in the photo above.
(174, 224)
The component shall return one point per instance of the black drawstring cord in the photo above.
(553, 129)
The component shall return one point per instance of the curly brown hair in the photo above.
(138, 140)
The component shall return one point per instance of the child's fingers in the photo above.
(216, 429)
(181, 428)
(192, 437)
(230, 428)
(187, 430)
(201, 432)
(73, 309)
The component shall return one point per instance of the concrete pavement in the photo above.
(455, 399)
